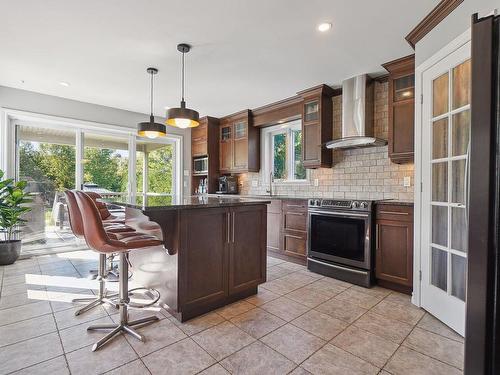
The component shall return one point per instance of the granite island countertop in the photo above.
(160, 203)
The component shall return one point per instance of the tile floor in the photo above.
(298, 323)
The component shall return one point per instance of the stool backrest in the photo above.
(103, 209)
(74, 214)
(95, 235)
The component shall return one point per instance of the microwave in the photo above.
(200, 166)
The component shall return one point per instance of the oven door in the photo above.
(340, 237)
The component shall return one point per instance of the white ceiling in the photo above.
(246, 53)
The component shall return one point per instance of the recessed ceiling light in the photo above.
(325, 26)
(65, 84)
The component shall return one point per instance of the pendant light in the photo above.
(183, 117)
(151, 129)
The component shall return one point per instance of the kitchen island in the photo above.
(215, 250)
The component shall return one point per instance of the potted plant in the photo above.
(12, 207)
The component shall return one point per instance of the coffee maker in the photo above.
(228, 185)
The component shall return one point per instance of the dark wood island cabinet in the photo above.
(216, 251)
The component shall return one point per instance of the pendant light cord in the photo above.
(151, 95)
(182, 79)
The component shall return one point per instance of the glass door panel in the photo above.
(105, 164)
(155, 164)
(46, 160)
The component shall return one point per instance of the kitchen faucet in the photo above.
(271, 180)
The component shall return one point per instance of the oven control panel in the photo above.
(343, 204)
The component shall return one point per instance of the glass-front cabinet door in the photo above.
(445, 173)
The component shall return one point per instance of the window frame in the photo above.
(267, 139)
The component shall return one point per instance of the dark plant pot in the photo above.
(9, 251)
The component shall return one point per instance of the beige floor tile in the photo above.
(234, 309)
(22, 299)
(114, 354)
(307, 296)
(436, 346)
(76, 337)
(359, 298)
(390, 329)
(365, 345)
(300, 371)
(21, 278)
(181, 358)
(280, 286)
(276, 272)
(314, 275)
(257, 359)
(16, 314)
(67, 318)
(293, 266)
(285, 308)
(331, 360)
(257, 322)
(329, 287)
(407, 314)
(223, 340)
(294, 343)
(343, 310)
(429, 323)
(399, 298)
(26, 329)
(201, 323)
(20, 288)
(374, 291)
(158, 335)
(409, 362)
(133, 368)
(30, 352)
(55, 366)
(300, 278)
(262, 297)
(274, 261)
(215, 370)
(319, 324)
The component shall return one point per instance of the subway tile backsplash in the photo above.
(365, 173)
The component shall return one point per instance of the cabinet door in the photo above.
(199, 149)
(402, 140)
(240, 148)
(226, 148)
(311, 144)
(204, 247)
(247, 254)
(295, 244)
(394, 252)
(274, 225)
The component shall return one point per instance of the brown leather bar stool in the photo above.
(106, 216)
(76, 224)
(98, 239)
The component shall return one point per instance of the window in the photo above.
(283, 152)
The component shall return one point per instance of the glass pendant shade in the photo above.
(151, 129)
(183, 117)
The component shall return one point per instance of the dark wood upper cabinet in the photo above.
(317, 126)
(204, 143)
(394, 246)
(401, 108)
(239, 144)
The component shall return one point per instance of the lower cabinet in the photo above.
(394, 247)
(222, 256)
(287, 228)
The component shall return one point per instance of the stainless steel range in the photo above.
(340, 241)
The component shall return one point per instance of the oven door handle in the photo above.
(339, 214)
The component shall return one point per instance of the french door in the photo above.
(445, 185)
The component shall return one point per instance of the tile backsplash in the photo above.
(365, 173)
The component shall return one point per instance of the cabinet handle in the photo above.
(233, 226)
(295, 205)
(228, 226)
(296, 213)
(378, 236)
(292, 236)
(393, 213)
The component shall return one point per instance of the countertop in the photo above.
(268, 197)
(154, 203)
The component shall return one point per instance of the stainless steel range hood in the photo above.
(357, 115)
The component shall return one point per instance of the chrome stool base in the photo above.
(124, 326)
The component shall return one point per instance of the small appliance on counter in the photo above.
(228, 185)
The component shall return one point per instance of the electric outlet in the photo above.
(407, 181)
(316, 182)
(255, 183)
(186, 172)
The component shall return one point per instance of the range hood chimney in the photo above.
(357, 115)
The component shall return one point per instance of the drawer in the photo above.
(295, 205)
(295, 220)
(394, 212)
(295, 244)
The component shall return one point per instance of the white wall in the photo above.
(451, 27)
(56, 106)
